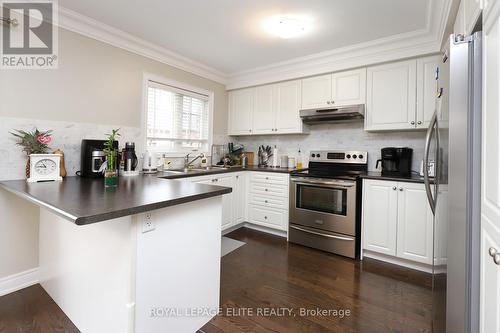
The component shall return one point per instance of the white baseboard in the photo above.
(249, 225)
(15, 282)
(398, 261)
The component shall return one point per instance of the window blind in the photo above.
(177, 119)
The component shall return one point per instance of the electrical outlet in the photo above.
(147, 223)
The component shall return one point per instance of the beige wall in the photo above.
(95, 83)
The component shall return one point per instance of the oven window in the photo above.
(322, 199)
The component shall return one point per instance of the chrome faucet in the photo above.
(187, 162)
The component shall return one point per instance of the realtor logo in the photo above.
(29, 35)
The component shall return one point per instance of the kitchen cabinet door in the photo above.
(349, 88)
(490, 278)
(380, 200)
(391, 96)
(263, 110)
(241, 111)
(415, 224)
(227, 200)
(239, 197)
(317, 92)
(472, 10)
(287, 107)
(459, 25)
(426, 89)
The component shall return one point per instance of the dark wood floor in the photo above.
(269, 273)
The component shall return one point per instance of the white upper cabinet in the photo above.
(269, 109)
(241, 111)
(391, 96)
(317, 92)
(426, 89)
(338, 89)
(349, 88)
(263, 111)
(467, 16)
(287, 106)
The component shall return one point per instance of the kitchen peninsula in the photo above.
(118, 260)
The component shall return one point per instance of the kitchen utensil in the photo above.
(150, 162)
(284, 161)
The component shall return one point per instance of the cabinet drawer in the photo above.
(269, 189)
(267, 217)
(269, 201)
(269, 178)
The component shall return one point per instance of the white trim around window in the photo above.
(185, 89)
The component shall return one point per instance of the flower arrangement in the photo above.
(35, 142)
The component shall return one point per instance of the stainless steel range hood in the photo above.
(333, 114)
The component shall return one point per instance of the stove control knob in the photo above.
(348, 156)
(319, 155)
(313, 155)
(354, 156)
(360, 156)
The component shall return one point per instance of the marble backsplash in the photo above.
(66, 136)
(350, 136)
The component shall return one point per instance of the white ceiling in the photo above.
(226, 34)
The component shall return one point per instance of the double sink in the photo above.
(190, 171)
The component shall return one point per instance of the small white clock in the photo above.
(44, 167)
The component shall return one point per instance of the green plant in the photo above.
(110, 150)
(34, 142)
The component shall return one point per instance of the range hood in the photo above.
(333, 114)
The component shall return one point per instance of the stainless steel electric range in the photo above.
(325, 202)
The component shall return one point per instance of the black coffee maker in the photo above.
(92, 158)
(396, 161)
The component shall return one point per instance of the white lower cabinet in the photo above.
(234, 203)
(268, 199)
(259, 198)
(397, 220)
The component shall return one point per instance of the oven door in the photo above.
(326, 204)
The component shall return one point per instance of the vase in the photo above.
(111, 172)
(111, 178)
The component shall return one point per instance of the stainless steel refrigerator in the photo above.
(453, 141)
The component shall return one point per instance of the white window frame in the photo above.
(147, 77)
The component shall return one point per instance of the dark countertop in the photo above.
(197, 172)
(85, 201)
(414, 178)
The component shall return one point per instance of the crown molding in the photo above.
(89, 27)
(405, 45)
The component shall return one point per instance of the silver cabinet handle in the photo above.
(394, 188)
(419, 122)
(333, 102)
(495, 255)
(322, 234)
(412, 122)
(401, 189)
(265, 201)
(265, 189)
(265, 217)
(328, 102)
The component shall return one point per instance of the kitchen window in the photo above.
(178, 119)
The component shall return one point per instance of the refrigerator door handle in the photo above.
(430, 197)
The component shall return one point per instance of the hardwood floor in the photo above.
(268, 273)
(32, 310)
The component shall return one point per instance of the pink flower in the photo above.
(44, 139)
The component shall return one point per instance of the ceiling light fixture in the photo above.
(286, 26)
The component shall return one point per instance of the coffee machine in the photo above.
(92, 158)
(396, 161)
